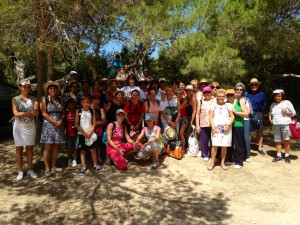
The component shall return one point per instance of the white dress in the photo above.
(24, 129)
(221, 118)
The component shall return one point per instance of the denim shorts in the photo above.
(72, 142)
(281, 132)
(256, 121)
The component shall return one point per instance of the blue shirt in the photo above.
(257, 99)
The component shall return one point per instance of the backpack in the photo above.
(80, 113)
(104, 136)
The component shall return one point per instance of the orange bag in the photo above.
(174, 149)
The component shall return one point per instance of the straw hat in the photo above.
(50, 83)
(170, 133)
(230, 91)
(204, 80)
(254, 81)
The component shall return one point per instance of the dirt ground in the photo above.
(182, 192)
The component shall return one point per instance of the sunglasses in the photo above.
(230, 95)
(239, 89)
(206, 92)
(215, 87)
(253, 85)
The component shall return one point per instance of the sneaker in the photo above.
(81, 171)
(57, 169)
(248, 160)
(287, 160)
(69, 162)
(206, 159)
(155, 166)
(97, 168)
(237, 166)
(261, 152)
(32, 174)
(20, 175)
(74, 163)
(47, 173)
(277, 159)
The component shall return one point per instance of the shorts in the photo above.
(150, 149)
(281, 132)
(184, 121)
(256, 121)
(71, 142)
(82, 146)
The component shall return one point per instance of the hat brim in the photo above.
(50, 83)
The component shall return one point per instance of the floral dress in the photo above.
(220, 119)
(51, 134)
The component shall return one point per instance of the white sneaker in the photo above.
(56, 169)
(248, 160)
(20, 175)
(238, 166)
(199, 154)
(69, 162)
(206, 159)
(32, 174)
(74, 163)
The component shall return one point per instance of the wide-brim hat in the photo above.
(111, 81)
(119, 90)
(50, 83)
(202, 81)
(254, 81)
(170, 133)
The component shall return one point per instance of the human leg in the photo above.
(259, 139)
(213, 157)
(239, 145)
(247, 138)
(19, 157)
(29, 155)
(46, 157)
(182, 136)
(117, 158)
(94, 156)
(55, 152)
(205, 134)
(223, 155)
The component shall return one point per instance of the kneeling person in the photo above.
(153, 146)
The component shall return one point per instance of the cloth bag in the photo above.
(193, 149)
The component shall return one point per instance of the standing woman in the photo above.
(52, 128)
(221, 118)
(112, 106)
(25, 108)
(239, 90)
(152, 106)
(203, 123)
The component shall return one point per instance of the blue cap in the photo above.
(148, 116)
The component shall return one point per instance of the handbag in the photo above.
(193, 149)
(174, 149)
(295, 129)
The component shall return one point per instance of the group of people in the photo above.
(109, 119)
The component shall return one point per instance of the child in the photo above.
(71, 132)
(85, 122)
(100, 122)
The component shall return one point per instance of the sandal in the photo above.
(210, 167)
(224, 167)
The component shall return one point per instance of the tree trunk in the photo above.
(50, 58)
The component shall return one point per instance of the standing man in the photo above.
(259, 102)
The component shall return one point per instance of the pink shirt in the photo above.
(154, 110)
(117, 134)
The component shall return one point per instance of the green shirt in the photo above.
(238, 120)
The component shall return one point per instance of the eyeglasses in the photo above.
(230, 95)
(239, 89)
(215, 87)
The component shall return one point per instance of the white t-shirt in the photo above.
(170, 107)
(86, 120)
(127, 90)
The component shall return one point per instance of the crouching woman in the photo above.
(118, 141)
(153, 146)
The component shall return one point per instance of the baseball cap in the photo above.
(189, 87)
(148, 116)
(162, 80)
(120, 111)
(73, 72)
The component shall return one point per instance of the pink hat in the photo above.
(206, 89)
(96, 95)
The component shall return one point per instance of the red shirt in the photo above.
(134, 112)
(69, 123)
